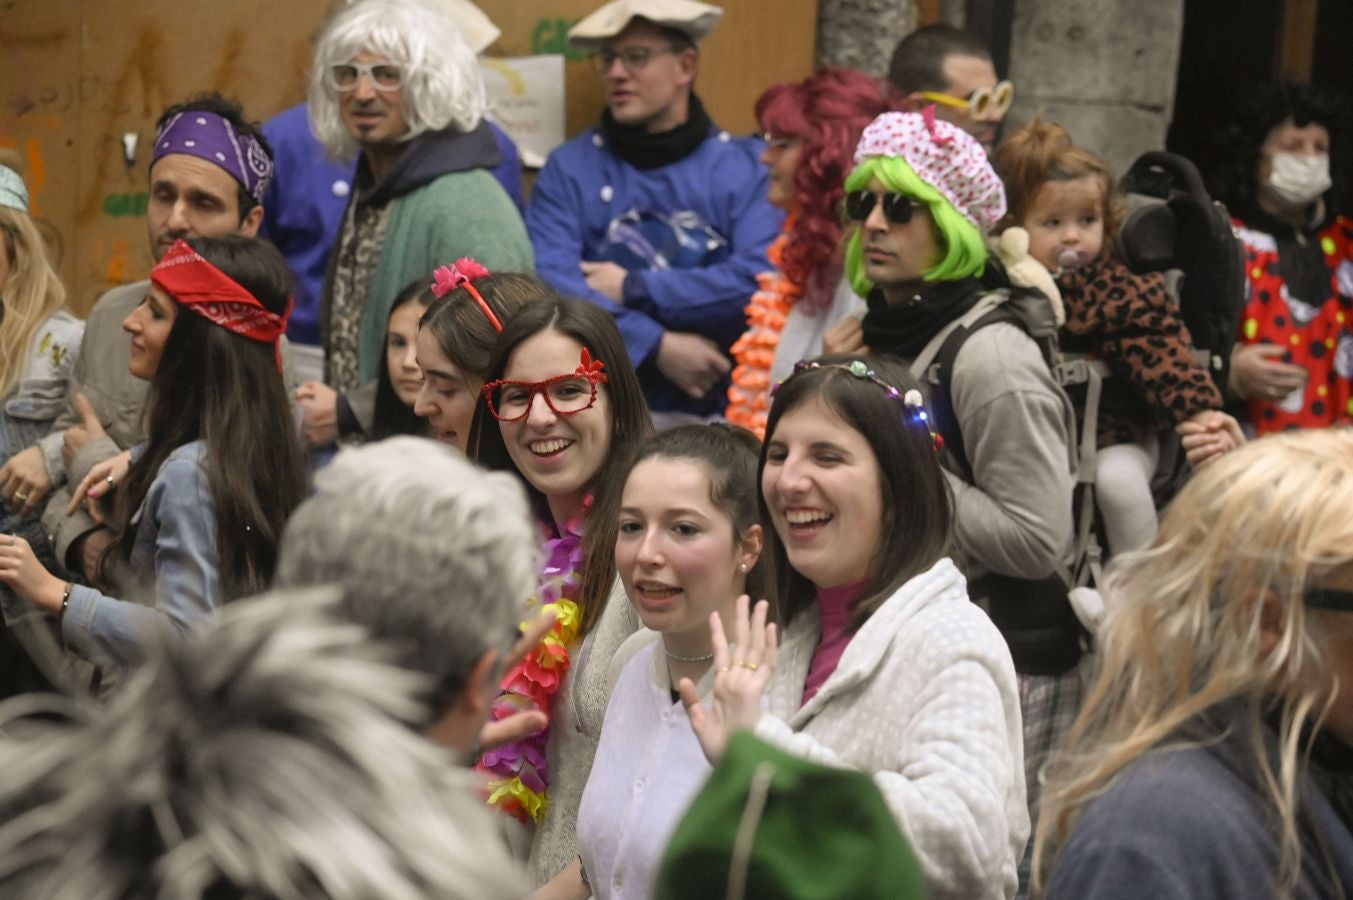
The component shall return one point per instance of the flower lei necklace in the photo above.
(749, 394)
(518, 771)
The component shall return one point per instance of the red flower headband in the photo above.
(460, 274)
(197, 285)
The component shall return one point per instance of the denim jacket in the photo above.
(174, 554)
(30, 408)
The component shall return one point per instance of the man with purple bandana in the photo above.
(208, 173)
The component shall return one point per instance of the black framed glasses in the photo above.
(383, 76)
(566, 395)
(897, 208)
(632, 58)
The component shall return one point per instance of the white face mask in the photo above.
(1298, 179)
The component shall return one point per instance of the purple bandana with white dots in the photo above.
(210, 137)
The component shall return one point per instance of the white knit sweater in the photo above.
(924, 698)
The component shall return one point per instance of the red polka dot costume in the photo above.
(1317, 337)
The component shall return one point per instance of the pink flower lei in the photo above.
(518, 771)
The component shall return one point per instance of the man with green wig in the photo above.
(922, 195)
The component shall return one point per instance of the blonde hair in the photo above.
(1183, 634)
(31, 293)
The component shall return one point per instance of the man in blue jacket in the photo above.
(657, 215)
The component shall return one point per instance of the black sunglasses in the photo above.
(897, 208)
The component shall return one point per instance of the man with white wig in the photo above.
(309, 193)
(397, 83)
(267, 757)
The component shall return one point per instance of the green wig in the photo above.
(965, 254)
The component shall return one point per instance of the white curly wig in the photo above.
(442, 83)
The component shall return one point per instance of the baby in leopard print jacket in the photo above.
(1063, 196)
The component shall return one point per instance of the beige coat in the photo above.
(575, 729)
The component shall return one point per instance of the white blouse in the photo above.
(648, 769)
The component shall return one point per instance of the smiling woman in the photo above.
(689, 544)
(196, 516)
(900, 674)
(569, 454)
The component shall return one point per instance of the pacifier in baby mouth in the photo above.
(1069, 258)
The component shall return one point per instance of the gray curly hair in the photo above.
(432, 554)
(269, 756)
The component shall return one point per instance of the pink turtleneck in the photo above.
(833, 605)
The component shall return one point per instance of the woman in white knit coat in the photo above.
(902, 675)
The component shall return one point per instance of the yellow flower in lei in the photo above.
(519, 772)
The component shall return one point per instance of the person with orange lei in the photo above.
(803, 307)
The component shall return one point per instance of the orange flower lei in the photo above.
(749, 394)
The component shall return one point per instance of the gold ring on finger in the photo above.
(18, 496)
(723, 669)
(750, 665)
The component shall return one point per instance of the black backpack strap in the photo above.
(939, 374)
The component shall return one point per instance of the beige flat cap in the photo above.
(694, 18)
(477, 29)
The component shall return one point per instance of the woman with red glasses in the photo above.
(562, 408)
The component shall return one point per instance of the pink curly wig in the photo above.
(827, 112)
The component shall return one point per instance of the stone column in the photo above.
(861, 34)
(1105, 71)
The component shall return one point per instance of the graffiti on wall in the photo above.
(550, 35)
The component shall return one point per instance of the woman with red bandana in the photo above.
(1294, 364)
(198, 509)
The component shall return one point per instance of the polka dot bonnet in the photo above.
(942, 155)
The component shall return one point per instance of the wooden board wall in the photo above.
(75, 75)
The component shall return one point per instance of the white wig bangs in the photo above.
(442, 84)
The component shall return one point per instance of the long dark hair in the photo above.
(390, 415)
(917, 527)
(225, 390)
(594, 328)
(728, 456)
